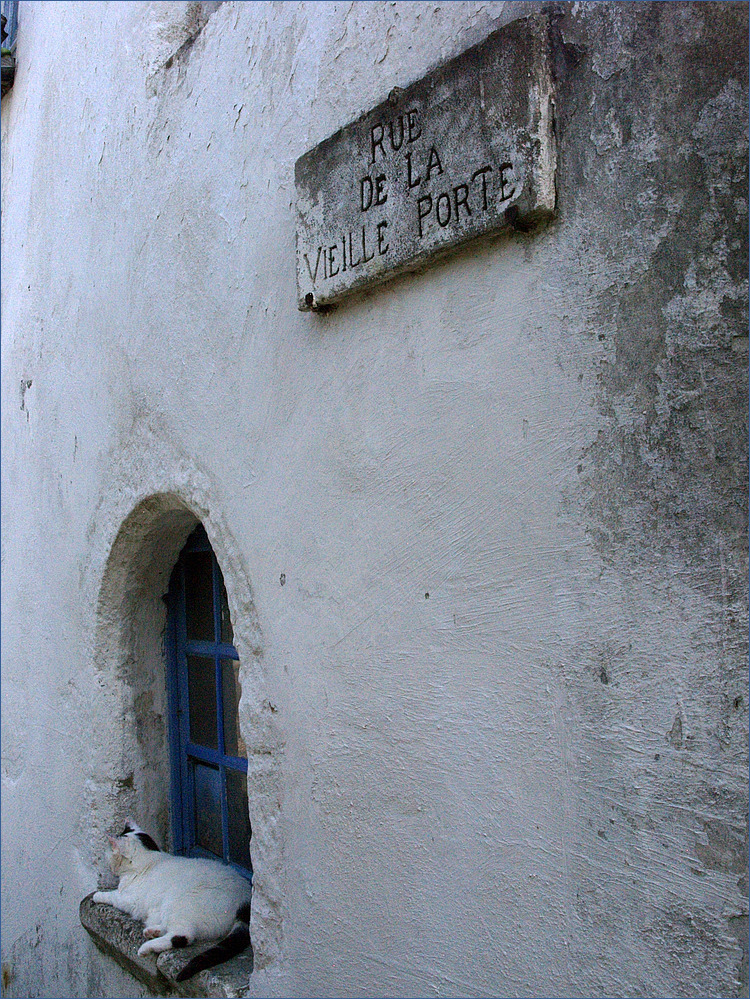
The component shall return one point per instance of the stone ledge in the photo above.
(120, 936)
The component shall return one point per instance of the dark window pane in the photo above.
(207, 812)
(230, 674)
(227, 634)
(202, 701)
(239, 821)
(199, 600)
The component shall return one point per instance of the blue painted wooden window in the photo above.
(209, 759)
(10, 9)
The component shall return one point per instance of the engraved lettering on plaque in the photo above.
(466, 151)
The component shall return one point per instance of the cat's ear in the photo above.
(113, 844)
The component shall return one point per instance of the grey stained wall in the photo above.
(483, 528)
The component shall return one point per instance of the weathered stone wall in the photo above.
(483, 528)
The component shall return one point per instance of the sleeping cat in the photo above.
(179, 899)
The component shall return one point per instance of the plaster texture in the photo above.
(483, 528)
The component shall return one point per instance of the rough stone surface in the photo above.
(120, 936)
(465, 151)
(497, 713)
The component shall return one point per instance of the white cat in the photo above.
(179, 899)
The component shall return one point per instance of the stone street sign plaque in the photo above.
(465, 151)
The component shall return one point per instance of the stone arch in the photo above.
(131, 617)
(130, 668)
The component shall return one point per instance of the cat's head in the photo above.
(131, 850)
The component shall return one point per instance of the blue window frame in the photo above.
(9, 9)
(208, 756)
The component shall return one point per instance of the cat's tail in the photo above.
(233, 944)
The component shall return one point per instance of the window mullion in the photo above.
(224, 812)
(173, 696)
(187, 791)
(220, 708)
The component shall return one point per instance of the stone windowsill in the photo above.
(120, 936)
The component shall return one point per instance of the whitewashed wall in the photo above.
(497, 712)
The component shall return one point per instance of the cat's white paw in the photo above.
(99, 896)
(150, 932)
(156, 946)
